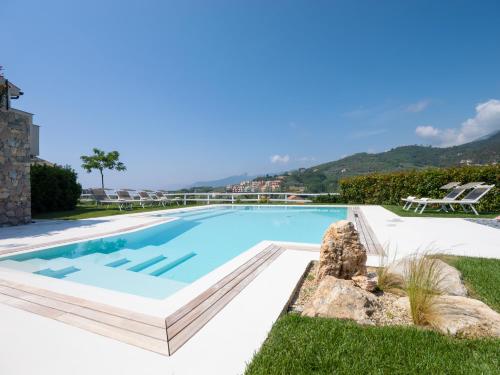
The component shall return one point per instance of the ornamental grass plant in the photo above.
(422, 284)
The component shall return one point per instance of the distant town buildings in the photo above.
(259, 186)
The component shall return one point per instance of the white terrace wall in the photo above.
(15, 191)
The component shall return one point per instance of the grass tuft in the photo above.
(422, 283)
(387, 281)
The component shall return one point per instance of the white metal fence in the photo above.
(246, 197)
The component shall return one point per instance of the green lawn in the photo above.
(300, 345)
(398, 210)
(87, 211)
(481, 276)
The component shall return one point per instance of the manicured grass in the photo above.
(300, 345)
(88, 211)
(481, 276)
(433, 212)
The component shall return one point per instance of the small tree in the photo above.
(102, 160)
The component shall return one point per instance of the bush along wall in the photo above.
(53, 189)
(389, 188)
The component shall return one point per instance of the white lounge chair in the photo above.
(452, 195)
(409, 200)
(456, 191)
(125, 196)
(145, 198)
(161, 195)
(101, 197)
(472, 198)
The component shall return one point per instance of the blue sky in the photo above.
(197, 90)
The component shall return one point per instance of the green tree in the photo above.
(101, 161)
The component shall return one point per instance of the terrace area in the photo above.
(105, 331)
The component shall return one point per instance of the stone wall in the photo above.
(15, 191)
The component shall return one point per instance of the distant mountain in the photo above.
(224, 181)
(325, 177)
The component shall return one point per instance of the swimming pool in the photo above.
(158, 261)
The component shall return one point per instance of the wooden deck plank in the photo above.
(195, 325)
(34, 308)
(145, 342)
(367, 236)
(146, 319)
(203, 304)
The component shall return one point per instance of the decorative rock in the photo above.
(342, 255)
(451, 283)
(368, 282)
(461, 316)
(337, 298)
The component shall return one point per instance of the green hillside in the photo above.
(325, 177)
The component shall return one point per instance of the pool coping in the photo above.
(137, 320)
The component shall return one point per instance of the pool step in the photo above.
(148, 263)
(122, 280)
(118, 263)
(57, 274)
(167, 267)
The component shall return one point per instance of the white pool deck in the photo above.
(32, 344)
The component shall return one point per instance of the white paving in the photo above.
(405, 235)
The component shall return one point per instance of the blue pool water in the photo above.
(158, 261)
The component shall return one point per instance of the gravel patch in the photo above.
(488, 222)
(389, 312)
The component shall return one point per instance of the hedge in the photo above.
(389, 188)
(53, 189)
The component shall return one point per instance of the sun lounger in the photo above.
(101, 197)
(409, 200)
(125, 197)
(472, 198)
(165, 199)
(145, 198)
(456, 191)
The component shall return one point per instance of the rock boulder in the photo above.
(342, 254)
(337, 298)
(461, 316)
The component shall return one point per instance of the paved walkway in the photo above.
(405, 235)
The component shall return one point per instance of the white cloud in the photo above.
(281, 159)
(426, 131)
(418, 106)
(486, 121)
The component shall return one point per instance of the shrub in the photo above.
(264, 199)
(329, 198)
(389, 188)
(53, 188)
